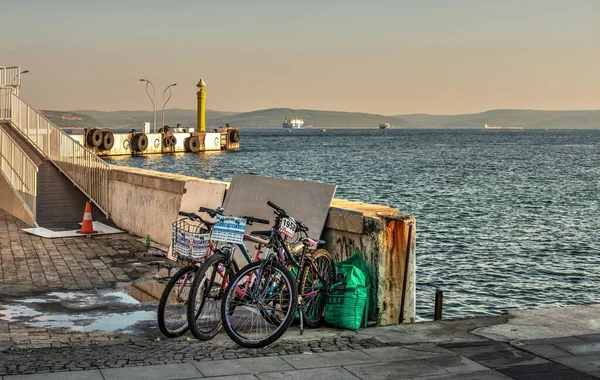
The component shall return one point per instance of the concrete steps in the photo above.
(60, 204)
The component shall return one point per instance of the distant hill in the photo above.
(273, 118)
(71, 119)
(528, 119)
(256, 119)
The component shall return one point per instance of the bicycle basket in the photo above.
(190, 242)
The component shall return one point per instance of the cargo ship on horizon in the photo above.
(495, 126)
(293, 123)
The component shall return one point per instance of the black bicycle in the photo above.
(261, 300)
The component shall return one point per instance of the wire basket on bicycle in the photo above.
(191, 242)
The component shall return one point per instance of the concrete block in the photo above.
(328, 359)
(162, 372)
(74, 375)
(334, 373)
(345, 220)
(242, 366)
(395, 370)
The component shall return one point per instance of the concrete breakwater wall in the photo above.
(146, 202)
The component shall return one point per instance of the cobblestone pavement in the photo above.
(31, 264)
(364, 358)
(96, 350)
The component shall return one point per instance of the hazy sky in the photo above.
(388, 57)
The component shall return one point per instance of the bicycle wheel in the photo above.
(259, 304)
(172, 308)
(204, 307)
(315, 279)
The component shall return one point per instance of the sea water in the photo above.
(506, 219)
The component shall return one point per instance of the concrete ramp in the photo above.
(60, 204)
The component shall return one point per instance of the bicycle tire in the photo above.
(181, 299)
(313, 313)
(227, 309)
(207, 330)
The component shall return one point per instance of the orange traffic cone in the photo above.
(86, 225)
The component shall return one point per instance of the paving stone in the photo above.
(456, 364)
(498, 355)
(242, 366)
(332, 373)
(79, 375)
(154, 372)
(567, 339)
(388, 354)
(482, 375)
(581, 349)
(590, 337)
(233, 377)
(581, 363)
(328, 359)
(566, 374)
(395, 370)
(547, 351)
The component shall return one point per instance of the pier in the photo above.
(104, 142)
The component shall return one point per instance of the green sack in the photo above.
(348, 298)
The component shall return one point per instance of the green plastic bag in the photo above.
(348, 298)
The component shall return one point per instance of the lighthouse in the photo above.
(201, 119)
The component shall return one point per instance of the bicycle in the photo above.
(211, 280)
(197, 248)
(172, 307)
(261, 300)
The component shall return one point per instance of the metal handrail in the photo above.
(20, 171)
(86, 170)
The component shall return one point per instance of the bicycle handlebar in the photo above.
(190, 215)
(251, 219)
(300, 227)
(275, 206)
(212, 212)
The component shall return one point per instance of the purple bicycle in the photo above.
(262, 299)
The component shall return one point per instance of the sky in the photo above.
(385, 57)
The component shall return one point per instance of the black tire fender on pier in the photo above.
(142, 142)
(193, 144)
(166, 142)
(108, 140)
(139, 142)
(234, 135)
(173, 140)
(94, 137)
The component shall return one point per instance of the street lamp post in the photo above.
(151, 99)
(17, 78)
(167, 101)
